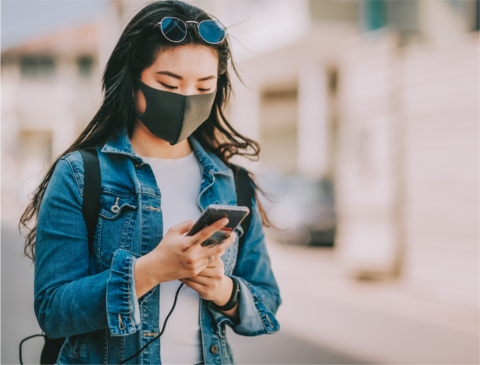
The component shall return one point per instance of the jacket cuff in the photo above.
(122, 304)
(255, 318)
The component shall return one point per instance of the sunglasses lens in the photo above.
(212, 31)
(173, 29)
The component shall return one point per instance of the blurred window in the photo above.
(37, 66)
(7, 60)
(307, 190)
(333, 10)
(280, 95)
(278, 126)
(85, 66)
(36, 145)
(477, 16)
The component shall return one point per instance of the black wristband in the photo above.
(234, 298)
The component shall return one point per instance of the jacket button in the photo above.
(214, 349)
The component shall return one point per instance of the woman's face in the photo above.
(186, 70)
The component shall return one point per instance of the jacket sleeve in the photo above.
(68, 299)
(259, 292)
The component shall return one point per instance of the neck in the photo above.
(145, 144)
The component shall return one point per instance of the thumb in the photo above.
(183, 227)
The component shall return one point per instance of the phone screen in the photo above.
(212, 214)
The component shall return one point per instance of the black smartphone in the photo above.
(213, 213)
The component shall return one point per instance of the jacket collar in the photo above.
(120, 144)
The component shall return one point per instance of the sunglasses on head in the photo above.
(175, 30)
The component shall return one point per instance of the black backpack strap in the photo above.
(91, 193)
(51, 350)
(245, 194)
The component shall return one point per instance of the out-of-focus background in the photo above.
(368, 116)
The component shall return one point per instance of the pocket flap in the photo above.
(112, 205)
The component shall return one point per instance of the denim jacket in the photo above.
(90, 300)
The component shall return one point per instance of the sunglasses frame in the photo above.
(159, 24)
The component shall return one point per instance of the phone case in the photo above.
(213, 213)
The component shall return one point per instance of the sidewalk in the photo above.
(371, 321)
(282, 348)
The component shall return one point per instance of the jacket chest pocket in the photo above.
(118, 213)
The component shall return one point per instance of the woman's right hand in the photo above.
(178, 256)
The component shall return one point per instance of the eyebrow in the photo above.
(171, 74)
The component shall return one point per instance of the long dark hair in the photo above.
(136, 50)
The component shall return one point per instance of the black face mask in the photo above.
(171, 116)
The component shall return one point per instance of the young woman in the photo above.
(164, 147)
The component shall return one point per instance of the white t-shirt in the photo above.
(179, 181)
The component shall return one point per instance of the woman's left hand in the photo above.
(211, 283)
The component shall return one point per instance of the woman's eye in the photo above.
(169, 87)
(205, 90)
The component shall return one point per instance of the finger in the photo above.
(209, 272)
(186, 281)
(195, 286)
(183, 227)
(230, 240)
(224, 245)
(209, 260)
(208, 231)
(201, 280)
(214, 261)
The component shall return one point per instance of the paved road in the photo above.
(18, 322)
(282, 348)
(18, 317)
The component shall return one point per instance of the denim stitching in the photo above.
(253, 295)
(130, 309)
(116, 193)
(145, 297)
(80, 191)
(105, 358)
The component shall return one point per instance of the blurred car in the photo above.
(304, 210)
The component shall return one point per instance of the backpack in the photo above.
(91, 208)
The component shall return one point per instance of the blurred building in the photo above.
(404, 85)
(50, 90)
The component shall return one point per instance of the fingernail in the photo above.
(225, 221)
